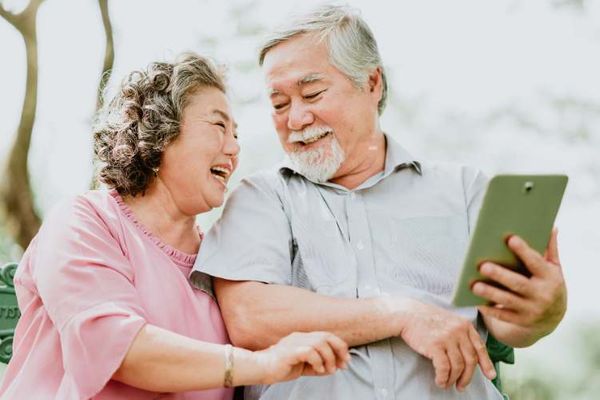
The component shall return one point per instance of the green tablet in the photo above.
(523, 205)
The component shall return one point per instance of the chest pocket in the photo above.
(321, 258)
(424, 252)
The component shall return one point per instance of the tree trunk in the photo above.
(109, 58)
(15, 193)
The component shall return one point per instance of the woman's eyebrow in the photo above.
(225, 116)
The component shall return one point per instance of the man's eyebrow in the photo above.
(310, 78)
(225, 116)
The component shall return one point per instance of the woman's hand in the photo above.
(314, 353)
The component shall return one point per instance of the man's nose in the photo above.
(299, 117)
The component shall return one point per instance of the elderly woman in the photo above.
(107, 308)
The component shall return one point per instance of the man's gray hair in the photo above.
(352, 46)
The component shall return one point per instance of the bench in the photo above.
(9, 311)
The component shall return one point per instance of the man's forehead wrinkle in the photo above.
(290, 80)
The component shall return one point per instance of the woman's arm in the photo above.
(162, 361)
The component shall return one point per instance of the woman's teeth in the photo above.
(219, 177)
(220, 173)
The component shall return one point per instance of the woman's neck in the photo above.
(158, 212)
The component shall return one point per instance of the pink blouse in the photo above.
(87, 284)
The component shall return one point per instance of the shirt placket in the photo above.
(381, 355)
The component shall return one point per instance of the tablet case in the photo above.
(525, 205)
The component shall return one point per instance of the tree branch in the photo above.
(109, 58)
(32, 7)
(8, 16)
(109, 53)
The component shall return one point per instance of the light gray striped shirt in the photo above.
(402, 232)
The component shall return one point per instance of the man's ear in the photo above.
(375, 82)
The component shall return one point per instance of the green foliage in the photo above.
(577, 376)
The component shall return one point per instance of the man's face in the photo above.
(321, 117)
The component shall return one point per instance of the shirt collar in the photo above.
(396, 158)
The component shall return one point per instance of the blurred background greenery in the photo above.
(506, 86)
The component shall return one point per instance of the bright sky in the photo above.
(451, 64)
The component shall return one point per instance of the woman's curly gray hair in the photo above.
(132, 131)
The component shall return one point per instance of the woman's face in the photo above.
(197, 165)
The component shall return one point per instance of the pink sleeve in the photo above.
(86, 284)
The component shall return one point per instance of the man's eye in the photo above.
(221, 124)
(313, 95)
(279, 106)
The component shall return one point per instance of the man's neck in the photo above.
(158, 212)
(368, 160)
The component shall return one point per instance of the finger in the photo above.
(507, 278)
(441, 365)
(341, 350)
(314, 359)
(552, 249)
(496, 295)
(308, 370)
(310, 356)
(535, 263)
(485, 363)
(457, 364)
(470, 357)
(327, 356)
(503, 314)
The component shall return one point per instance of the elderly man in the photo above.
(353, 235)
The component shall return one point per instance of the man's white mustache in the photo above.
(308, 133)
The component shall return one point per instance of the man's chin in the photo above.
(318, 162)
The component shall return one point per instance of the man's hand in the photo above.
(450, 341)
(532, 306)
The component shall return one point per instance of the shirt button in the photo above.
(352, 195)
(360, 245)
(383, 392)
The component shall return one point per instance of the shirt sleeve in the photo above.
(252, 239)
(85, 282)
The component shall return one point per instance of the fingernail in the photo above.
(478, 288)
(460, 388)
(492, 374)
(486, 268)
(515, 240)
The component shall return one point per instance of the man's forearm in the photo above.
(257, 314)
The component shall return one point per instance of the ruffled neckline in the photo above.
(179, 257)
